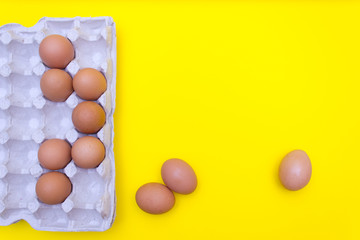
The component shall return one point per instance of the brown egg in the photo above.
(56, 85)
(54, 154)
(89, 84)
(295, 170)
(56, 51)
(88, 152)
(155, 198)
(179, 176)
(53, 188)
(88, 117)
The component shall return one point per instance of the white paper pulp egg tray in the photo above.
(27, 119)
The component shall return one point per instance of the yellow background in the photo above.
(230, 87)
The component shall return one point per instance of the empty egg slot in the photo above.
(51, 217)
(20, 62)
(21, 190)
(22, 156)
(60, 27)
(88, 188)
(5, 88)
(92, 29)
(5, 122)
(57, 120)
(84, 219)
(7, 213)
(25, 89)
(92, 59)
(27, 123)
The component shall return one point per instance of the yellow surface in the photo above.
(230, 87)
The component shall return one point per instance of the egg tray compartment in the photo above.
(27, 119)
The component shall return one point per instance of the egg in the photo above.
(56, 85)
(88, 117)
(295, 170)
(56, 51)
(54, 154)
(53, 188)
(88, 152)
(155, 198)
(89, 84)
(179, 176)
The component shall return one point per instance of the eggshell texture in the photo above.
(295, 170)
(89, 84)
(54, 154)
(88, 152)
(155, 198)
(53, 188)
(179, 176)
(56, 51)
(56, 85)
(88, 117)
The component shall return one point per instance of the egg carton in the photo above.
(27, 119)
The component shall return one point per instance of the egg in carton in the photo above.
(27, 118)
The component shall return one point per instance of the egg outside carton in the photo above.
(71, 213)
